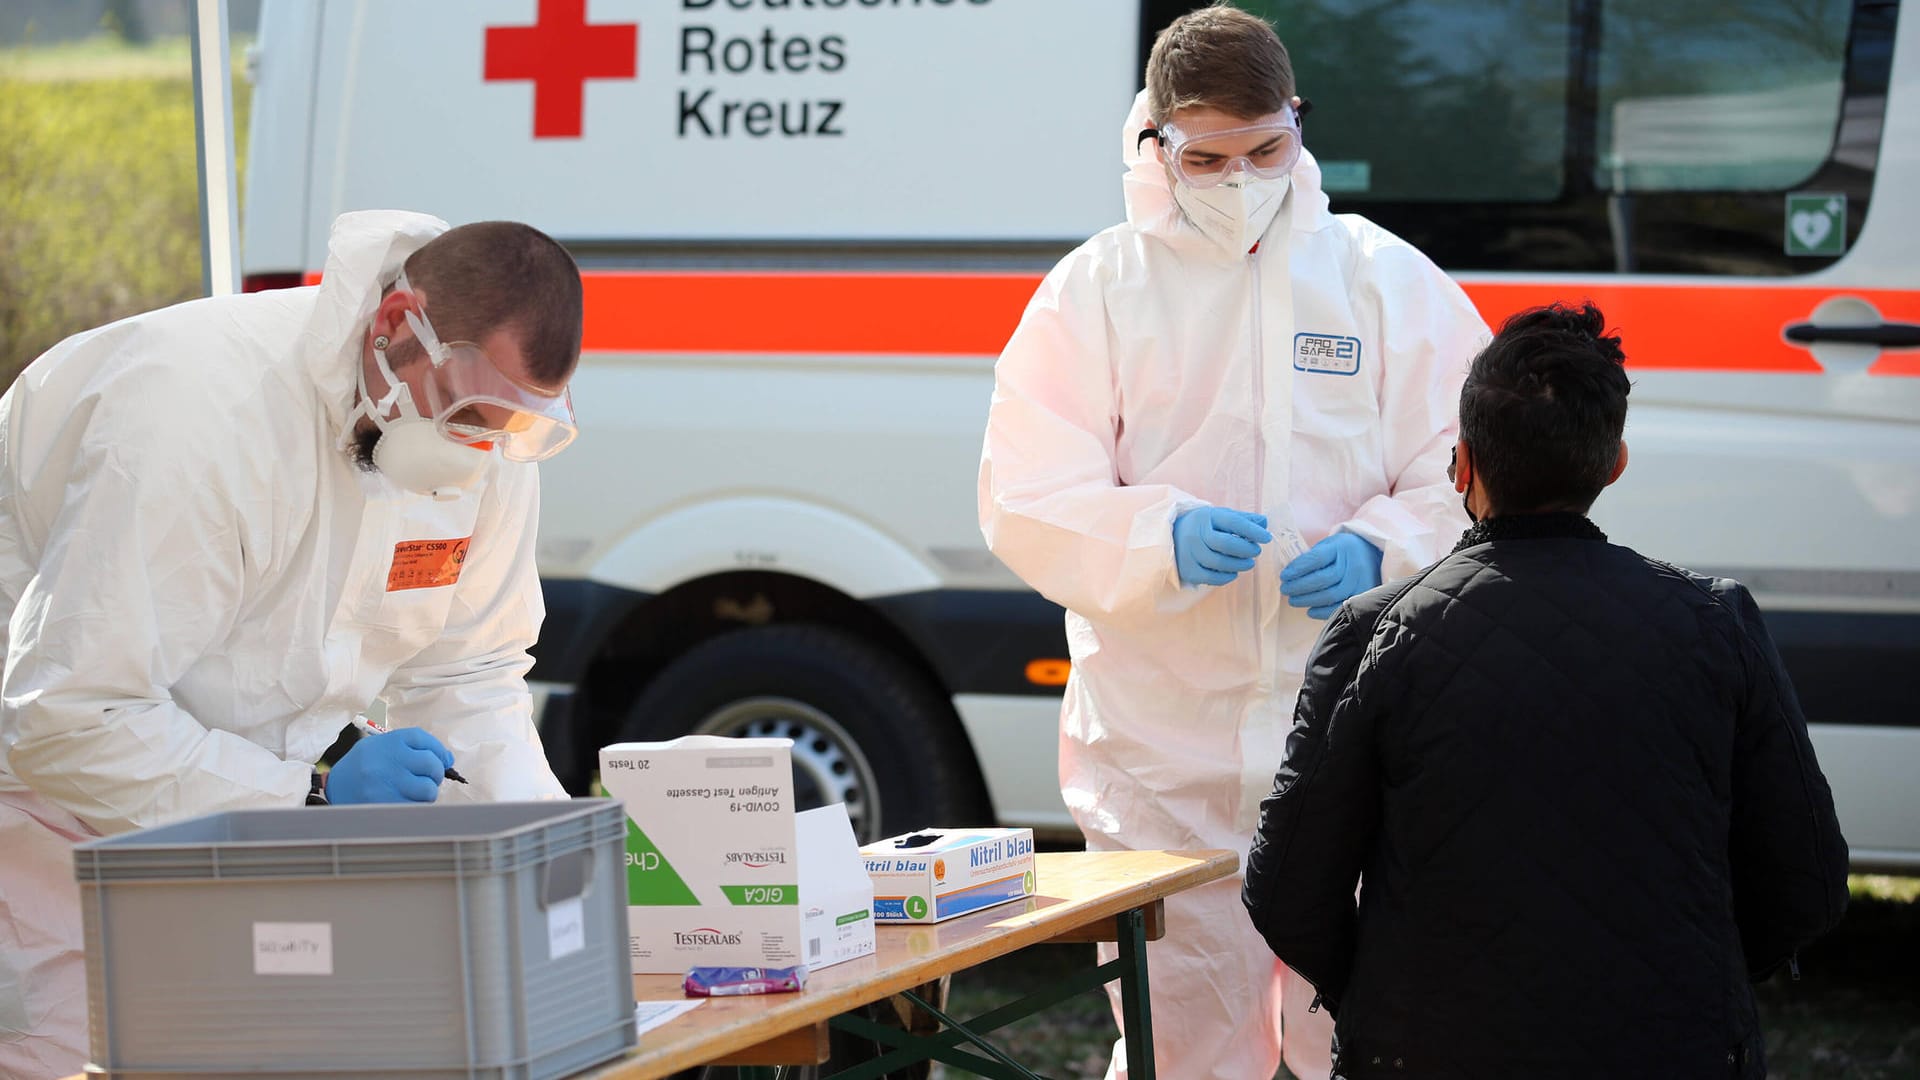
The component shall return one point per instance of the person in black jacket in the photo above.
(1572, 782)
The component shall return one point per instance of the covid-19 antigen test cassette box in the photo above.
(720, 870)
(935, 874)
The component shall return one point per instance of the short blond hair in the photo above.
(1220, 57)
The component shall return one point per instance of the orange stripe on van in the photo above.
(1708, 326)
(902, 314)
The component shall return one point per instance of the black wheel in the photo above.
(866, 729)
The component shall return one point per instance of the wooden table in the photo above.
(1082, 896)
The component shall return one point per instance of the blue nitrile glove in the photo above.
(1332, 572)
(398, 766)
(1213, 545)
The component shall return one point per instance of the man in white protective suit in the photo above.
(1215, 423)
(227, 527)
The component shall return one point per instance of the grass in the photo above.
(107, 57)
(1884, 887)
(99, 188)
(1855, 1014)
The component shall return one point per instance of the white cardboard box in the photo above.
(715, 858)
(836, 895)
(936, 874)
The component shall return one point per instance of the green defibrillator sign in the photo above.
(1816, 224)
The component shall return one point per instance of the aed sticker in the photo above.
(285, 948)
(1326, 354)
(1816, 223)
(427, 564)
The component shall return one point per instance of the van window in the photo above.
(1433, 101)
(1722, 96)
(1591, 135)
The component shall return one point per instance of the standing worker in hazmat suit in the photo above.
(228, 526)
(1191, 400)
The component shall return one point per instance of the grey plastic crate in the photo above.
(442, 924)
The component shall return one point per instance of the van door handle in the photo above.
(1888, 335)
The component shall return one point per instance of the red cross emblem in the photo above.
(558, 54)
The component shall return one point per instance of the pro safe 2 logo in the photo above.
(1326, 354)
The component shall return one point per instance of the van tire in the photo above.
(865, 724)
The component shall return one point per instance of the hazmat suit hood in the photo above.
(364, 252)
(1149, 190)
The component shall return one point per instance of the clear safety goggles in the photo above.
(1204, 159)
(472, 401)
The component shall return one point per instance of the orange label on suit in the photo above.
(427, 564)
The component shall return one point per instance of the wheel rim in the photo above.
(828, 765)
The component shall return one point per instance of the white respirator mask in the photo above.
(1235, 213)
(412, 451)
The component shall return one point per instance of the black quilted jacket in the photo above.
(1575, 789)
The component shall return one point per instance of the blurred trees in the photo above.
(99, 203)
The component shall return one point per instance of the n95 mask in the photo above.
(1236, 212)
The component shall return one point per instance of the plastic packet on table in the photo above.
(735, 981)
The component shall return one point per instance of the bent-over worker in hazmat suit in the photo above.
(228, 526)
(1232, 367)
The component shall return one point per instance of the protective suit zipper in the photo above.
(1259, 456)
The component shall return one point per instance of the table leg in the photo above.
(918, 1021)
(1136, 1007)
(909, 1038)
(900, 1012)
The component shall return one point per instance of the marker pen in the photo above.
(368, 727)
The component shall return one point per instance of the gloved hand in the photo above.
(398, 766)
(1213, 545)
(1331, 572)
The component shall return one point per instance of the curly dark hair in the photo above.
(1543, 408)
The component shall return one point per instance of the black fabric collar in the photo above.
(1552, 526)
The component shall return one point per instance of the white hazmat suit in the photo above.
(204, 589)
(1316, 381)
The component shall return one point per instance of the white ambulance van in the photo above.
(808, 226)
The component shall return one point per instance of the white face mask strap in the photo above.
(376, 411)
(422, 329)
(361, 407)
(397, 391)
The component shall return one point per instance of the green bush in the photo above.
(99, 204)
